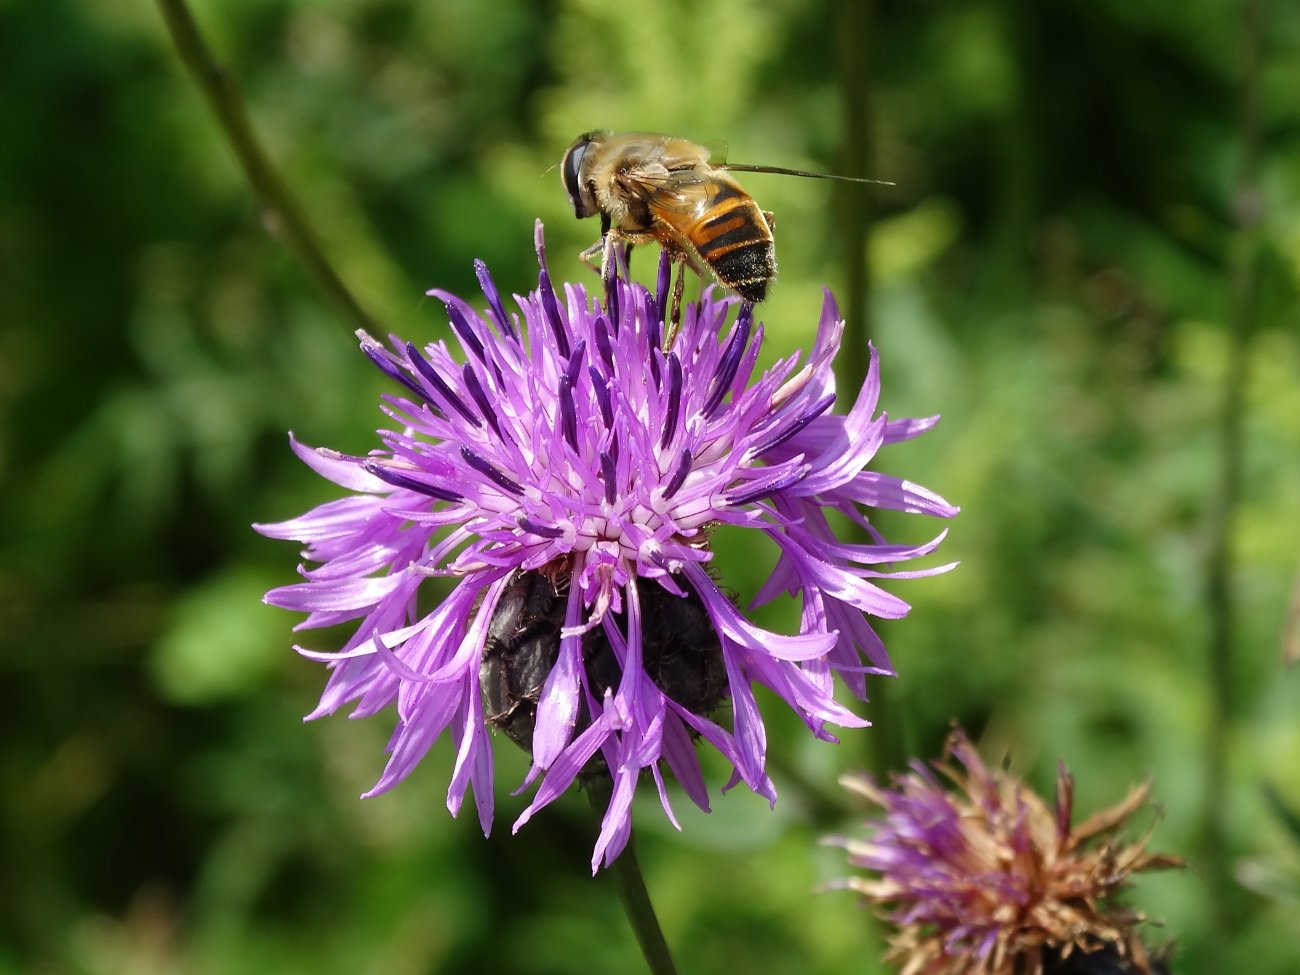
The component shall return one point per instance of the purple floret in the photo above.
(563, 440)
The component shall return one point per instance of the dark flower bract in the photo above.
(560, 446)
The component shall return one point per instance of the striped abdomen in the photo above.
(733, 237)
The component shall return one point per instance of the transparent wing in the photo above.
(681, 192)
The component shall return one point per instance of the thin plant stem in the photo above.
(631, 888)
(280, 212)
(1017, 194)
(853, 202)
(1220, 596)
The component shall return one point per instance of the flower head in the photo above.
(563, 473)
(988, 880)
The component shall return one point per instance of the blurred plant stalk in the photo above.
(1220, 595)
(281, 214)
(886, 745)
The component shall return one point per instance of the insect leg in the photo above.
(609, 270)
(589, 256)
(599, 248)
(675, 312)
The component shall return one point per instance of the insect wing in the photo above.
(683, 195)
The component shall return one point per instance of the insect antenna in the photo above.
(782, 171)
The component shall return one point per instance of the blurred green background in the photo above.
(1063, 270)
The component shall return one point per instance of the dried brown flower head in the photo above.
(987, 879)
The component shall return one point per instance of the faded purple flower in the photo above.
(986, 878)
(564, 472)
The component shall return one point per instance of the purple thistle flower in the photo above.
(988, 879)
(565, 472)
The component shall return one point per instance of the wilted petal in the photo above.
(987, 870)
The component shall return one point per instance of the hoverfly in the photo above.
(656, 187)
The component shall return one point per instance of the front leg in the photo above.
(594, 256)
(598, 249)
(606, 251)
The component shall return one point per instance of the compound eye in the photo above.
(572, 173)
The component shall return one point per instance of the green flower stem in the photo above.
(281, 214)
(631, 889)
(1243, 285)
(852, 201)
(885, 743)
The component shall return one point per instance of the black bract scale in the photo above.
(1104, 960)
(680, 651)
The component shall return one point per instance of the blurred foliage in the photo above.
(1052, 272)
